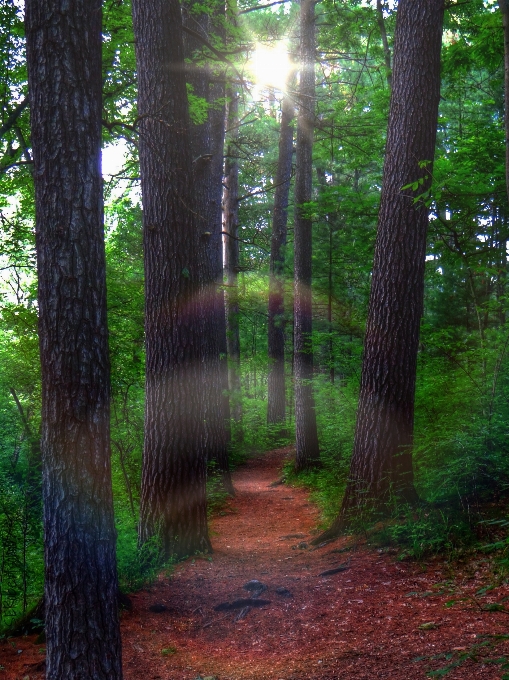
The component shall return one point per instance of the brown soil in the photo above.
(379, 618)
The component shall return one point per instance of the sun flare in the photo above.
(271, 66)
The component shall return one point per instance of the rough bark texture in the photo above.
(276, 317)
(173, 498)
(504, 9)
(307, 449)
(207, 141)
(64, 73)
(231, 257)
(382, 456)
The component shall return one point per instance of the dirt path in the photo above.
(376, 619)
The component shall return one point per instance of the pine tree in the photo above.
(382, 456)
(173, 495)
(64, 72)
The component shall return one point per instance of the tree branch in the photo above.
(271, 4)
(13, 117)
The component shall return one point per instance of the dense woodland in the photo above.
(241, 251)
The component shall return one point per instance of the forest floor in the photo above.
(377, 617)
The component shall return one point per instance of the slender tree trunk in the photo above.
(385, 42)
(307, 449)
(231, 257)
(504, 8)
(64, 75)
(329, 304)
(173, 495)
(276, 316)
(330, 221)
(382, 456)
(207, 141)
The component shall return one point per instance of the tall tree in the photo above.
(64, 73)
(504, 9)
(307, 448)
(231, 255)
(207, 141)
(382, 456)
(173, 495)
(276, 321)
(385, 41)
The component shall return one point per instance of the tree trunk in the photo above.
(64, 75)
(276, 317)
(504, 8)
(231, 258)
(207, 141)
(383, 34)
(173, 495)
(307, 449)
(382, 457)
(330, 276)
(332, 358)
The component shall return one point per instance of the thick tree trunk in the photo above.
(64, 74)
(504, 8)
(231, 258)
(307, 449)
(173, 496)
(276, 317)
(382, 457)
(207, 141)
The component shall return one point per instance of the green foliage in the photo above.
(198, 107)
(462, 399)
(137, 566)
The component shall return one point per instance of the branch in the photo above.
(26, 426)
(241, 240)
(264, 190)
(15, 114)
(271, 4)
(220, 55)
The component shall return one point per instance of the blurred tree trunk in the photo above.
(173, 494)
(385, 42)
(504, 9)
(381, 464)
(276, 316)
(207, 141)
(64, 74)
(307, 449)
(231, 258)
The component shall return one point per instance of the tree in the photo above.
(64, 74)
(504, 9)
(307, 448)
(382, 456)
(231, 255)
(276, 323)
(173, 497)
(207, 141)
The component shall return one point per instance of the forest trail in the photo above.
(378, 618)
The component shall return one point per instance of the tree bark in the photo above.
(231, 258)
(64, 74)
(207, 141)
(381, 465)
(276, 409)
(173, 493)
(504, 9)
(307, 449)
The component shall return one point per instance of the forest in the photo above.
(254, 325)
